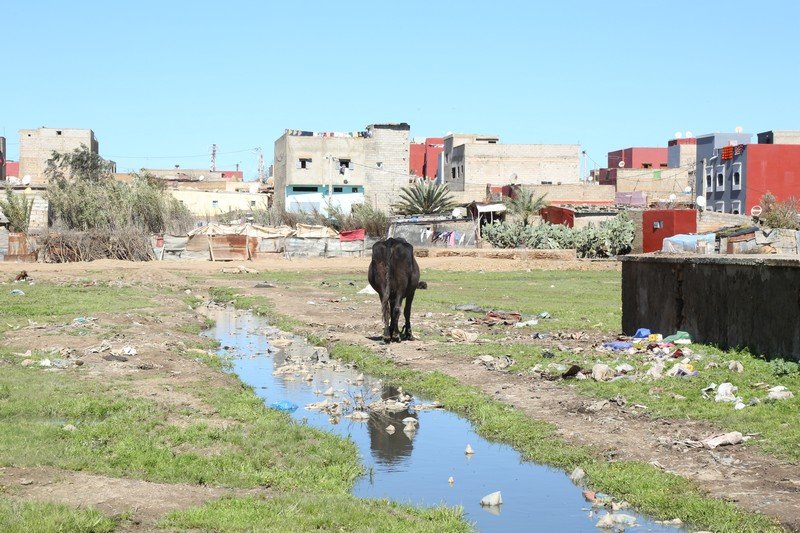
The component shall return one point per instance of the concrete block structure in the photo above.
(471, 163)
(37, 146)
(194, 174)
(424, 157)
(728, 301)
(314, 169)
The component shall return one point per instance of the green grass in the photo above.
(130, 437)
(260, 305)
(576, 299)
(648, 489)
(59, 302)
(35, 517)
(301, 513)
(776, 421)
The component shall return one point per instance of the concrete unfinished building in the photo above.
(472, 163)
(37, 146)
(313, 169)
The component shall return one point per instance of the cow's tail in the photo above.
(388, 281)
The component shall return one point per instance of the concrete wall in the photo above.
(37, 146)
(728, 301)
(771, 168)
(710, 163)
(638, 157)
(656, 182)
(682, 152)
(779, 137)
(215, 203)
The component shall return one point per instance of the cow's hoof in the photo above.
(387, 340)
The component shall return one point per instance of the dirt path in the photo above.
(754, 480)
(145, 502)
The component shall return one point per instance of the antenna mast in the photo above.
(213, 158)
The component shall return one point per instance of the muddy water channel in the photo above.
(412, 465)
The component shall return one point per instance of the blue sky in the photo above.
(160, 80)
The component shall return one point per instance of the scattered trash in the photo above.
(390, 429)
(545, 315)
(779, 393)
(494, 363)
(284, 405)
(624, 368)
(617, 345)
(69, 427)
(596, 406)
(329, 392)
(368, 290)
(726, 393)
(641, 333)
(265, 285)
(115, 357)
(736, 366)
(680, 337)
(16, 292)
(62, 363)
(656, 371)
(602, 372)
(675, 522)
(129, 351)
(739, 405)
(734, 437)
(471, 307)
(469, 450)
(22, 276)
(459, 335)
(577, 475)
(527, 323)
(45, 362)
(492, 500)
(358, 416)
(611, 521)
(450, 480)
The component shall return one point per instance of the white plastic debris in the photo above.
(358, 416)
(469, 450)
(726, 393)
(390, 429)
(492, 500)
(459, 335)
(739, 405)
(129, 350)
(450, 480)
(601, 372)
(610, 521)
(624, 368)
(734, 437)
(577, 475)
(736, 366)
(656, 371)
(368, 290)
(328, 392)
(779, 393)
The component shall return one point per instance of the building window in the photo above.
(647, 165)
(214, 204)
(547, 183)
(344, 163)
(453, 172)
(720, 207)
(663, 165)
(304, 188)
(736, 207)
(720, 179)
(379, 164)
(709, 181)
(736, 181)
(252, 203)
(338, 189)
(304, 162)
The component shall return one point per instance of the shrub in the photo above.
(424, 198)
(776, 214)
(17, 209)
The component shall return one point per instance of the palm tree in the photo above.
(424, 198)
(525, 204)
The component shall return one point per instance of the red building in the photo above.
(658, 224)
(773, 168)
(12, 168)
(424, 157)
(634, 157)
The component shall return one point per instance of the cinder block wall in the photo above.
(729, 301)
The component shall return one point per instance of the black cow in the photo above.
(394, 274)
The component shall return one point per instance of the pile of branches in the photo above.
(128, 243)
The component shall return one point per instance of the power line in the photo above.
(176, 156)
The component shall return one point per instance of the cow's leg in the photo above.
(407, 315)
(395, 326)
(387, 318)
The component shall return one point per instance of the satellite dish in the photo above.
(701, 201)
(738, 129)
(678, 135)
(621, 164)
(514, 176)
(688, 190)
(26, 179)
(672, 197)
(201, 177)
(755, 211)
(590, 178)
(689, 134)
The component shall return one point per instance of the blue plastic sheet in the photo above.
(284, 405)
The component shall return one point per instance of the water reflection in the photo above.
(390, 448)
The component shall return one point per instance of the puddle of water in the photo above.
(414, 468)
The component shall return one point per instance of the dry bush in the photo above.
(128, 243)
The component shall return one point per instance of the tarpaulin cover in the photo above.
(353, 235)
(304, 231)
(688, 243)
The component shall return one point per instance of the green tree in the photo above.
(17, 209)
(525, 204)
(424, 198)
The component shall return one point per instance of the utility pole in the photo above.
(213, 158)
(262, 178)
